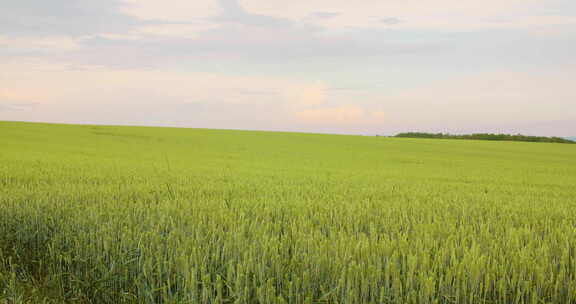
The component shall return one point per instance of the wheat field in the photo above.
(103, 214)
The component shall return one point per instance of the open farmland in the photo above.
(97, 214)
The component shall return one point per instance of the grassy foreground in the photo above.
(94, 214)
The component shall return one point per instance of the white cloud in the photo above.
(308, 95)
(345, 14)
(95, 90)
(177, 18)
(187, 19)
(489, 22)
(490, 97)
(171, 10)
(25, 96)
(51, 43)
(177, 30)
(183, 31)
(414, 14)
(104, 95)
(59, 83)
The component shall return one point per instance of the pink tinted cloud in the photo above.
(340, 115)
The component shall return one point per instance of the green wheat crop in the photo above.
(95, 214)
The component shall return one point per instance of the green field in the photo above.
(97, 214)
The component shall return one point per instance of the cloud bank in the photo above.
(317, 65)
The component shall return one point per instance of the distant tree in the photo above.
(488, 136)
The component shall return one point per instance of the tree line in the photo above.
(488, 136)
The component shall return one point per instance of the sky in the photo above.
(329, 66)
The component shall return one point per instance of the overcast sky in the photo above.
(338, 66)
